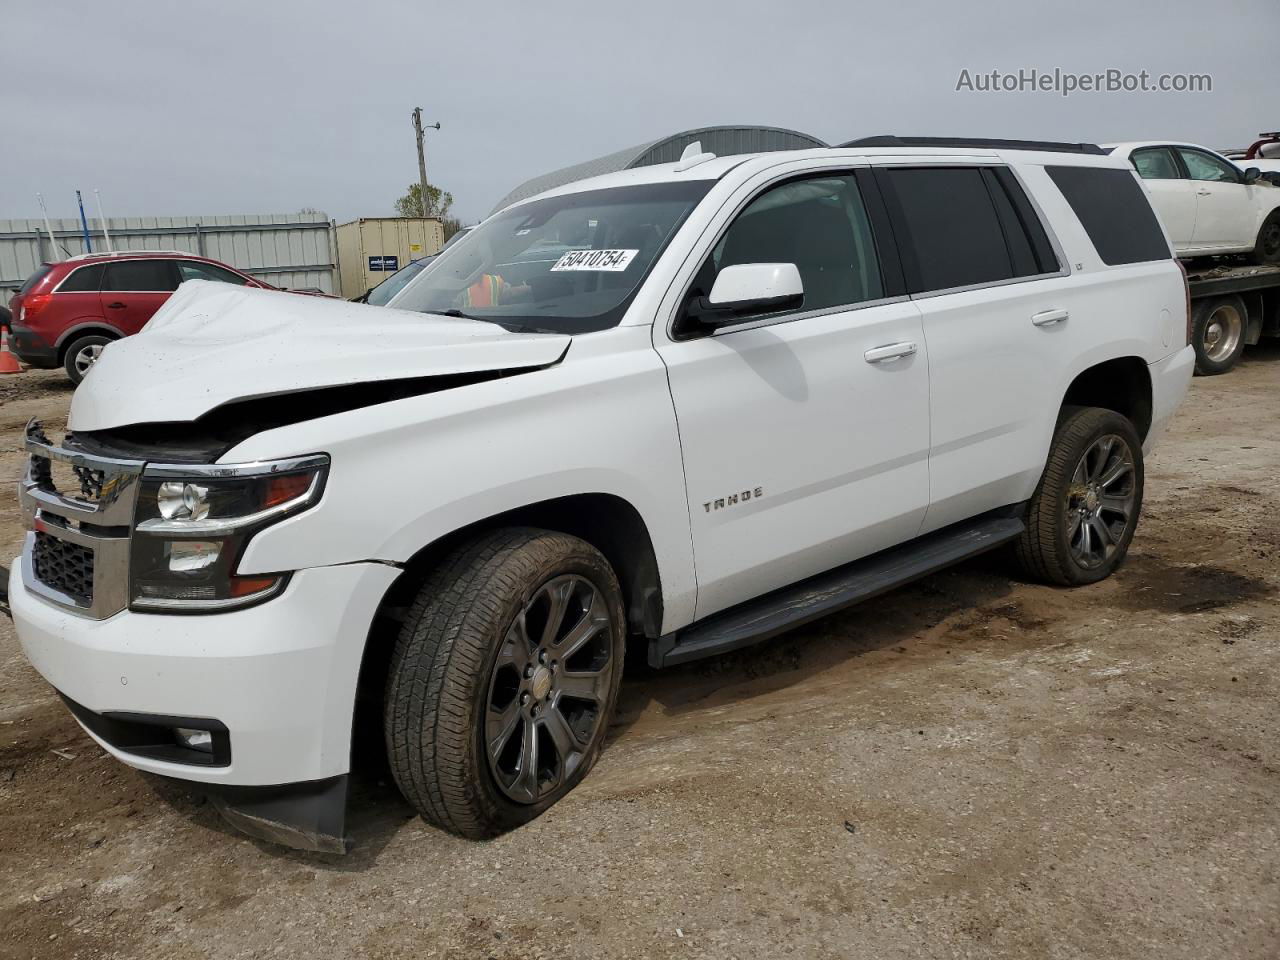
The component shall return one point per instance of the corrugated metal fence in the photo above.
(286, 250)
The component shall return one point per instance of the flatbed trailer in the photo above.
(1233, 305)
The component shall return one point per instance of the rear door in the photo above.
(1224, 211)
(133, 290)
(803, 446)
(1172, 194)
(996, 310)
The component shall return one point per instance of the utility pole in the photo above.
(422, 156)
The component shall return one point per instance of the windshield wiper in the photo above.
(454, 312)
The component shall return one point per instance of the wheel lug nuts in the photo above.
(542, 656)
(528, 672)
(524, 698)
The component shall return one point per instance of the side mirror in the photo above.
(746, 289)
(1252, 174)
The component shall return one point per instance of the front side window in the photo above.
(565, 264)
(820, 225)
(140, 276)
(1156, 163)
(194, 270)
(1204, 166)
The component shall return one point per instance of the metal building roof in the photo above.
(722, 141)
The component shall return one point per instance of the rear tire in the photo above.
(1217, 333)
(1267, 248)
(83, 353)
(1083, 515)
(503, 679)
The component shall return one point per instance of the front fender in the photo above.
(406, 473)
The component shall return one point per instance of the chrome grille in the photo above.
(80, 510)
(64, 566)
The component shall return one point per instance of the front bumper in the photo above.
(281, 676)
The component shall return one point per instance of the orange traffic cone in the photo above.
(8, 362)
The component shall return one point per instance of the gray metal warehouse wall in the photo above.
(285, 250)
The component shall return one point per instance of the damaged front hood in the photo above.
(213, 343)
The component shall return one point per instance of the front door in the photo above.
(133, 290)
(803, 446)
(1224, 212)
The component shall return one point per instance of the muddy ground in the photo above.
(967, 767)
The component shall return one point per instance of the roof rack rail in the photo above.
(130, 253)
(889, 140)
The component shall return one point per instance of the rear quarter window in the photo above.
(1115, 213)
(83, 279)
(41, 272)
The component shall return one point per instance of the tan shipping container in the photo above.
(373, 248)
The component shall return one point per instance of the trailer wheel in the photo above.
(1267, 249)
(1217, 333)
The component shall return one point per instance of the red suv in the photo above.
(66, 312)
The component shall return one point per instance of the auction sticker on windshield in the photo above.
(614, 261)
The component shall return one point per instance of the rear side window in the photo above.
(962, 226)
(141, 276)
(84, 280)
(1115, 213)
(1156, 163)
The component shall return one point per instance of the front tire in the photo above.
(82, 354)
(1083, 515)
(503, 680)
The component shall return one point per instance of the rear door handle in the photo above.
(892, 351)
(1047, 318)
(1204, 193)
(115, 306)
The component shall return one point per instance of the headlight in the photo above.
(192, 524)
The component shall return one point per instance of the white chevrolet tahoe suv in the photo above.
(688, 406)
(1208, 205)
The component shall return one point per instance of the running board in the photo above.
(800, 603)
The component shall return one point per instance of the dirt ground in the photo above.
(967, 767)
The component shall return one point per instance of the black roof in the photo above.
(889, 140)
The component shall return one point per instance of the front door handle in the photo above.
(1204, 193)
(1047, 318)
(892, 351)
(115, 306)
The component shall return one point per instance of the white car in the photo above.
(688, 406)
(1208, 205)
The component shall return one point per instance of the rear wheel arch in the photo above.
(74, 333)
(1122, 384)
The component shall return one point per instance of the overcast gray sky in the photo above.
(175, 108)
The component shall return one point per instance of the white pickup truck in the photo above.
(689, 406)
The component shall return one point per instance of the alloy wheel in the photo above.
(548, 688)
(87, 357)
(1101, 500)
